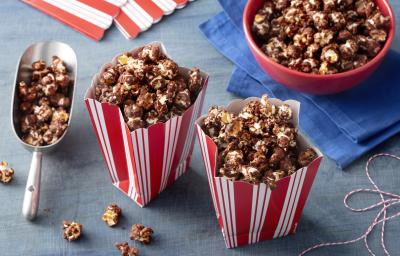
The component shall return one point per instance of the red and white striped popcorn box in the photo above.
(250, 213)
(142, 163)
(89, 17)
(137, 16)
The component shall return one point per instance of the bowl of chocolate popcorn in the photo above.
(143, 106)
(260, 168)
(319, 46)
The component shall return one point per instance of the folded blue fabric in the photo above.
(345, 125)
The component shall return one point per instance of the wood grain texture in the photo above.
(75, 183)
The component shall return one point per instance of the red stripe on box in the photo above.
(243, 208)
(124, 186)
(102, 6)
(151, 8)
(308, 181)
(73, 21)
(210, 178)
(103, 133)
(182, 143)
(274, 209)
(180, 3)
(156, 142)
(112, 121)
(97, 133)
(128, 25)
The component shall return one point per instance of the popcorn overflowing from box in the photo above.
(143, 107)
(257, 196)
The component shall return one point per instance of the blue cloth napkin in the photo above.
(344, 126)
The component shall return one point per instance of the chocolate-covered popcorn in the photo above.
(44, 104)
(259, 144)
(127, 250)
(320, 36)
(71, 230)
(141, 233)
(111, 215)
(6, 173)
(306, 157)
(147, 87)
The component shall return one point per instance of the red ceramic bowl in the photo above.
(313, 83)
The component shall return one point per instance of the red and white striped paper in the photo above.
(90, 17)
(250, 213)
(93, 17)
(144, 162)
(139, 15)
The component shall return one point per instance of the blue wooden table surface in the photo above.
(75, 183)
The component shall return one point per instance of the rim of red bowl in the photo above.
(249, 36)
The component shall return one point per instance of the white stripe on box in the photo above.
(253, 210)
(101, 137)
(180, 169)
(93, 111)
(103, 130)
(176, 134)
(223, 213)
(172, 131)
(122, 29)
(258, 212)
(128, 158)
(164, 6)
(135, 17)
(228, 208)
(146, 150)
(210, 176)
(170, 3)
(265, 209)
(91, 10)
(136, 152)
(189, 136)
(165, 153)
(142, 164)
(302, 175)
(138, 12)
(206, 159)
(169, 149)
(232, 198)
(291, 203)
(143, 13)
(285, 205)
(81, 13)
(116, 2)
(173, 136)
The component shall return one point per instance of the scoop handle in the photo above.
(32, 190)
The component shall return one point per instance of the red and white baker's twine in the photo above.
(381, 217)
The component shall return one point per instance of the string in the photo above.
(387, 200)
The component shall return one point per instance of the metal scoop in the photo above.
(39, 51)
